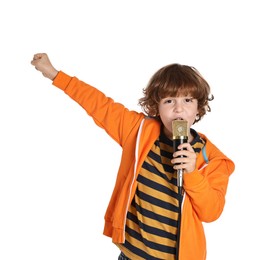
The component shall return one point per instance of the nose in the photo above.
(178, 107)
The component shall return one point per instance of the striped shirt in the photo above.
(152, 218)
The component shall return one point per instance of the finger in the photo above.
(189, 147)
(37, 56)
(34, 62)
(184, 146)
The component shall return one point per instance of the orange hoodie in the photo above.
(205, 188)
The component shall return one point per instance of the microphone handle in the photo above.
(176, 143)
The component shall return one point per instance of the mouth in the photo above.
(179, 118)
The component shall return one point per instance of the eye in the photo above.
(187, 100)
(168, 101)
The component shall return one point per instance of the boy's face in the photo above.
(172, 108)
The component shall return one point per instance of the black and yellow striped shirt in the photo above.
(151, 226)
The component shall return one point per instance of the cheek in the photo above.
(162, 110)
(195, 110)
(192, 115)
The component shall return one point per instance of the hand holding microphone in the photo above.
(184, 156)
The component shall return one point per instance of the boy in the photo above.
(147, 217)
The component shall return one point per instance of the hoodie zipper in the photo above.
(134, 171)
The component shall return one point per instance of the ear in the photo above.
(197, 118)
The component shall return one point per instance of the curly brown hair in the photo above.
(176, 80)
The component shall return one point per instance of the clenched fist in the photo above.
(43, 64)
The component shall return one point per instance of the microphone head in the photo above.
(180, 129)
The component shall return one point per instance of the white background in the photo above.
(57, 169)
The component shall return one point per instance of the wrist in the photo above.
(51, 74)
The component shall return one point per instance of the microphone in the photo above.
(180, 136)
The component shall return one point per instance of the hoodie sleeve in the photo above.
(207, 187)
(117, 120)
